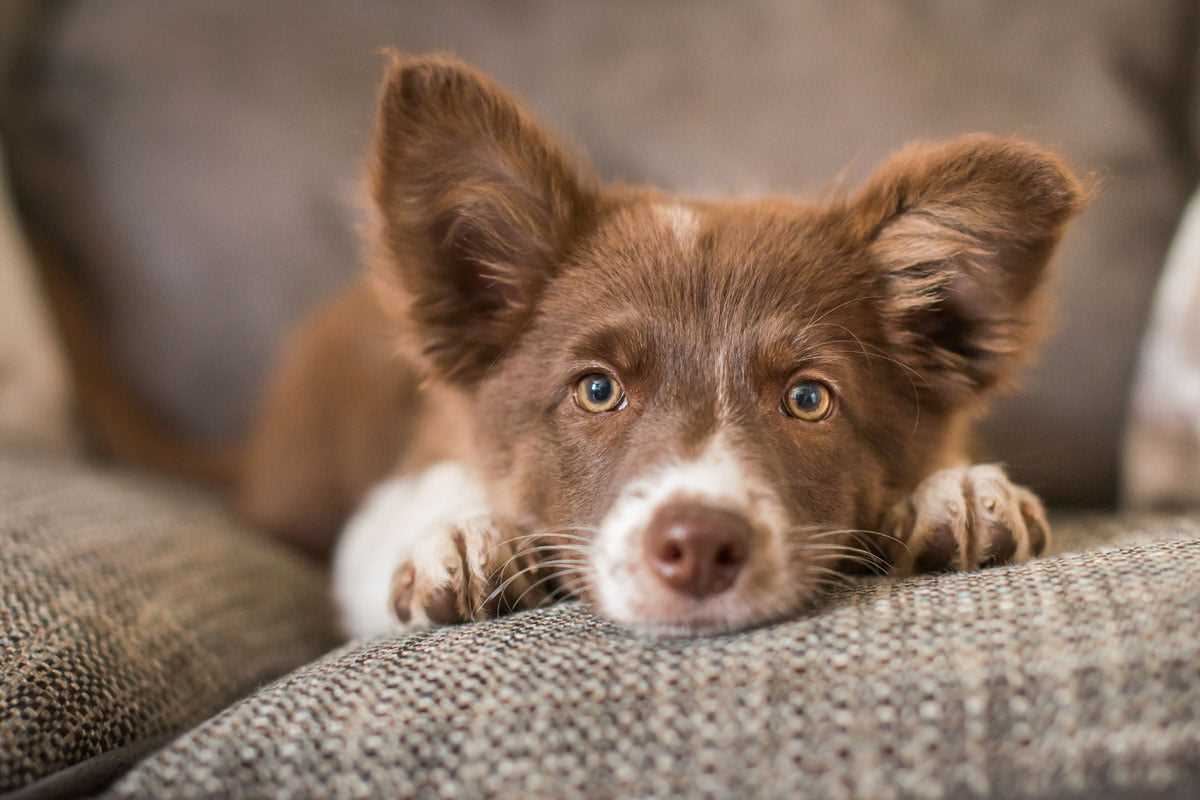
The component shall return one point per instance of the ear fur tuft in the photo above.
(961, 234)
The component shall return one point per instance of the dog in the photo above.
(695, 415)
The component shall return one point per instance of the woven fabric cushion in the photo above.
(1075, 675)
(129, 610)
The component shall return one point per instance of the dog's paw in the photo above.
(965, 518)
(467, 571)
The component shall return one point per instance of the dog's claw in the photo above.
(965, 518)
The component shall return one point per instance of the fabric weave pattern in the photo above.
(1072, 675)
(130, 609)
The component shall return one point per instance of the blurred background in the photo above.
(183, 185)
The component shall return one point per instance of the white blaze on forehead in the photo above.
(683, 222)
(717, 477)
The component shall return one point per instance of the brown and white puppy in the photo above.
(693, 414)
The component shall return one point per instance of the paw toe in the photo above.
(1002, 544)
(441, 606)
(403, 583)
(997, 521)
(938, 550)
(1034, 516)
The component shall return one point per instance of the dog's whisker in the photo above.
(509, 580)
(852, 334)
(827, 532)
(559, 594)
(549, 533)
(831, 580)
(500, 569)
(882, 535)
(875, 566)
(504, 585)
(552, 576)
(560, 530)
(815, 320)
(855, 531)
(534, 548)
(813, 549)
(572, 563)
(845, 548)
(569, 548)
(831, 544)
(827, 583)
(823, 558)
(842, 561)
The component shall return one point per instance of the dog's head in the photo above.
(700, 403)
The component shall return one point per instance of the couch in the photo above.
(183, 178)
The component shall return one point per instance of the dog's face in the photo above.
(704, 407)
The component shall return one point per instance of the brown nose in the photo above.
(697, 549)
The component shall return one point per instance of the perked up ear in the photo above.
(960, 234)
(475, 206)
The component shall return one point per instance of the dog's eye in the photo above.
(808, 400)
(597, 393)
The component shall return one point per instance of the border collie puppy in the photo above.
(693, 414)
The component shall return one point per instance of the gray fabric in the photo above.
(1077, 675)
(199, 158)
(130, 609)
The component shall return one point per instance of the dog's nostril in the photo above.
(671, 552)
(697, 549)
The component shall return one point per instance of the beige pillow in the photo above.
(35, 398)
(1162, 447)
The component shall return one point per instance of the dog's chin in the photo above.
(661, 613)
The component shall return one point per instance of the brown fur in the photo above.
(507, 272)
(339, 415)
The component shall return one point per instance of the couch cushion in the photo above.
(130, 609)
(200, 159)
(1070, 676)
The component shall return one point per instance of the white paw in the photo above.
(404, 521)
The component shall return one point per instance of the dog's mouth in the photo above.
(666, 614)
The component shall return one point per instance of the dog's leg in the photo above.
(964, 518)
(424, 550)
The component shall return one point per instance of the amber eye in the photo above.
(808, 400)
(597, 393)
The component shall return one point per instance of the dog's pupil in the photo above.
(600, 389)
(807, 396)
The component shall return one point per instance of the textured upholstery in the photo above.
(130, 609)
(1076, 675)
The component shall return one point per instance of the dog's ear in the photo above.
(959, 235)
(475, 206)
